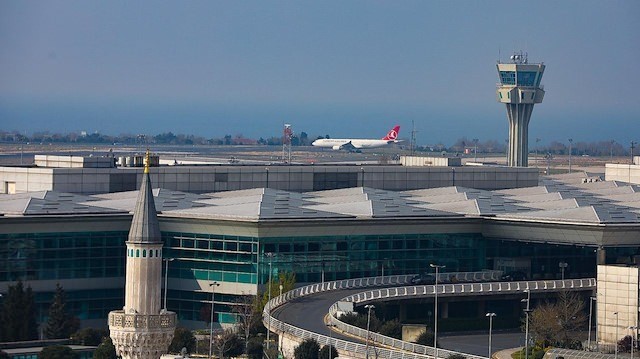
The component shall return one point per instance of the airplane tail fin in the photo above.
(393, 134)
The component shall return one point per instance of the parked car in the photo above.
(514, 276)
(424, 278)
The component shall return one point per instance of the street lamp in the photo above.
(213, 290)
(570, 143)
(526, 324)
(166, 278)
(368, 307)
(562, 266)
(616, 338)
(435, 326)
(475, 150)
(634, 332)
(270, 256)
(591, 300)
(281, 287)
(330, 327)
(490, 315)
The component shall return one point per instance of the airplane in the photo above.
(353, 144)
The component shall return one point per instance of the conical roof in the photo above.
(145, 227)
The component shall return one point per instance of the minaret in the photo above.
(519, 89)
(143, 330)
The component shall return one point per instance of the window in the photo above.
(144, 253)
(137, 253)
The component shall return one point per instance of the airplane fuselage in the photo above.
(343, 143)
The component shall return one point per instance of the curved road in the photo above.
(308, 312)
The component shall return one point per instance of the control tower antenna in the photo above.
(519, 89)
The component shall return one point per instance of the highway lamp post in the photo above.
(591, 300)
(270, 256)
(166, 279)
(634, 331)
(213, 290)
(615, 341)
(435, 325)
(570, 143)
(490, 315)
(633, 145)
(281, 287)
(537, 158)
(562, 266)
(330, 327)
(611, 151)
(475, 150)
(368, 307)
(526, 323)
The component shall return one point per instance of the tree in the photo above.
(182, 338)
(248, 314)
(558, 323)
(425, 338)
(60, 323)
(18, 314)
(392, 329)
(308, 349)
(227, 343)
(254, 348)
(324, 352)
(58, 352)
(106, 350)
(89, 336)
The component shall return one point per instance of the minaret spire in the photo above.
(143, 330)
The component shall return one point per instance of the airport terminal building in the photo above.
(78, 240)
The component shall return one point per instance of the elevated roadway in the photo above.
(301, 313)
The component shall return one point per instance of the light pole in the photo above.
(281, 287)
(570, 143)
(526, 324)
(634, 332)
(330, 327)
(490, 315)
(537, 146)
(166, 278)
(213, 290)
(616, 338)
(435, 326)
(475, 150)
(270, 256)
(562, 266)
(611, 151)
(368, 307)
(591, 300)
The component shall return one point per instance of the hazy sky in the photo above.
(344, 68)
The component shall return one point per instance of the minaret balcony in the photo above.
(121, 320)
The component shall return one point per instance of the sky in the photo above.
(343, 68)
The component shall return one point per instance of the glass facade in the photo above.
(243, 260)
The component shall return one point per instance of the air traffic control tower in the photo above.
(519, 89)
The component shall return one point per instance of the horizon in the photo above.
(346, 69)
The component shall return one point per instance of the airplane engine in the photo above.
(336, 147)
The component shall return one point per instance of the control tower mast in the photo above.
(519, 89)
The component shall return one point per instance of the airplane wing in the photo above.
(348, 146)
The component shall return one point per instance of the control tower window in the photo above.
(508, 77)
(526, 78)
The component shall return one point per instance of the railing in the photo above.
(119, 319)
(356, 349)
(443, 290)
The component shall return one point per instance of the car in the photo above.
(514, 276)
(424, 278)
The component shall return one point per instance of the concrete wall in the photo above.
(624, 173)
(617, 293)
(430, 161)
(297, 178)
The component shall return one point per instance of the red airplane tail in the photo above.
(393, 134)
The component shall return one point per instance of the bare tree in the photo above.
(226, 343)
(559, 323)
(247, 310)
